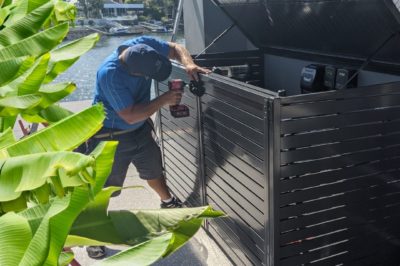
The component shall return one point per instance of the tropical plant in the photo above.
(50, 196)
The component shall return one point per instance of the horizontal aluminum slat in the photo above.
(212, 138)
(338, 106)
(190, 157)
(230, 122)
(340, 134)
(238, 195)
(238, 226)
(337, 188)
(239, 172)
(225, 107)
(339, 148)
(185, 122)
(220, 197)
(367, 91)
(386, 166)
(339, 120)
(342, 161)
(362, 211)
(186, 169)
(354, 197)
(231, 249)
(253, 106)
(179, 124)
(215, 130)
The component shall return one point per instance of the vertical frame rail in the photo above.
(201, 169)
(271, 171)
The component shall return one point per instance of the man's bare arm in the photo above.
(140, 112)
(179, 53)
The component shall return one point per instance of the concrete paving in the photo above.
(201, 250)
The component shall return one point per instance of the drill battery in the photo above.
(178, 110)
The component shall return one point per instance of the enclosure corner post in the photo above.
(271, 174)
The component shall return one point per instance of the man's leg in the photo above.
(148, 163)
(159, 185)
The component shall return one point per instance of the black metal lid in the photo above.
(351, 29)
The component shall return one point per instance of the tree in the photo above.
(50, 196)
(92, 8)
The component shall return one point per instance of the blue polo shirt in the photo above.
(117, 89)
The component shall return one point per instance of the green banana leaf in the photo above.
(28, 172)
(10, 68)
(52, 93)
(144, 253)
(15, 237)
(30, 81)
(65, 258)
(49, 95)
(7, 138)
(51, 114)
(23, 8)
(47, 242)
(27, 26)
(49, 236)
(63, 57)
(142, 229)
(64, 11)
(96, 226)
(11, 71)
(4, 13)
(12, 106)
(5, 3)
(64, 169)
(64, 135)
(132, 227)
(37, 44)
(7, 123)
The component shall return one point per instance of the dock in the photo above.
(154, 27)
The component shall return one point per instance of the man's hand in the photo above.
(193, 69)
(171, 97)
(178, 52)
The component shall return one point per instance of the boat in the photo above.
(125, 30)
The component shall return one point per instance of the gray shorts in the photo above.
(137, 147)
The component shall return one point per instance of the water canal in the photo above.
(83, 72)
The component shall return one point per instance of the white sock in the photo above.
(168, 200)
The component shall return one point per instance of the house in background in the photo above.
(116, 9)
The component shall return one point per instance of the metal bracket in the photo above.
(196, 87)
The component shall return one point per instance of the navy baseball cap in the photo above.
(143, 59)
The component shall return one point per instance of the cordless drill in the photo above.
(178, 110)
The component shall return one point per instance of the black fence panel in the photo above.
(216, 156)
(339, 178)
(234, 140)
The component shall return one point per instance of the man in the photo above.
(123, 86)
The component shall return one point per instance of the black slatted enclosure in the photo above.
(305, 179)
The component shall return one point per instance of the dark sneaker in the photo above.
(96, 252)
(174, 203)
